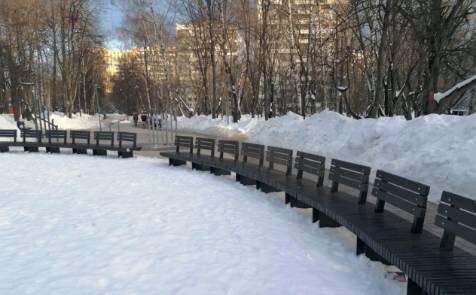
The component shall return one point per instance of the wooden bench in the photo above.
(31, 146)
(353, 176)
(84, 137)
(273, 176)
(7, 133)
(126, 151)
(231, 147)
(248, 172)
(314, 166)
(100, 149)
(200, 160)
(179, 157)
(60, 136)
(433, 264)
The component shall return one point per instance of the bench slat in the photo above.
(459, 230)
(399, 202)
(458, 215)
(404, 182)
(401, 192)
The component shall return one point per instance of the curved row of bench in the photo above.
(80, 141)
(433, 264)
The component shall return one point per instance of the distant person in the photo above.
(135, 116)
(143, 118)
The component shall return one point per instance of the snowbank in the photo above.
(438, 150)
(136, 226)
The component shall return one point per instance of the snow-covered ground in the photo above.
(438, 150)
(84, 225)
(77, 121)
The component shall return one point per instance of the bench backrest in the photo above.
(104, 136)
(127, 137)
(27, 133)
(84, 135)
(280, 156)
(352, 175)
(9, 133)
(252, 150)
(205, 144)
(457, 216)
(403, 193)
(229, 147)
(59, 134)
(311, 164)
(185, 142)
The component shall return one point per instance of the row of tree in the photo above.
(50, 47)
(359, 57)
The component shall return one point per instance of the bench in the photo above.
(248, 172)
(354, 177)
(80, 147)
(126, 151)
(60, 136)
(203, 144)
(271, 179)
(231, 147)
(7, 133)
(31, 146)
(433, 264)
(314, 165)
(101, 136)
(179, 157)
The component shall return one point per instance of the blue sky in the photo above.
(111, 18)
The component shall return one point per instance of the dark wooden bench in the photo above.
(61, 138)
(85, 141)
(126, 150)
(433, 264)
(7, 133)
(280, 165)
(248, 172)
(200, 160)
(354, 177)
(179, 157)
(35, 135)
(314, 166)
(225, 165)
(100, 149)
(457, 216)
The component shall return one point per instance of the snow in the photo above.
(439, 96)
(88, 225)
(438, 150)
(7, 122)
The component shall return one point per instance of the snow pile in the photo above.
(7, 122)
(137, 226)
(438, 150)
(220, 127)
(77, 121)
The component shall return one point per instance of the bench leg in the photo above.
(245, 180)
(125, 154)
(315, 215)
(326, 221)
(362, 248)
(218, 172)
(414, 289)
(80, 151)
(31, 149)
(4, 149)
(200, 167)
(99, 152)
(266, 188)
(175, 162)
(298, 204)
(53, 150)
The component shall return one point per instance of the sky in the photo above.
(111, 17)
